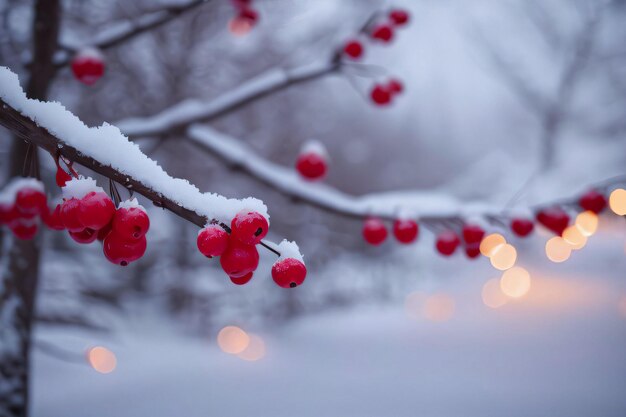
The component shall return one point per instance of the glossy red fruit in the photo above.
(96, 210)
(395, 86)
(131, 222)
(380, 95)
(288, 273)
(248, 14)
(52, 219)
(85, 236)
(472, 250)
(353, 49)
(88, 68)
(383, 33)
(405, 230)
(311, 165)
(593, 201)
(121, 251)
(522, 227)
(242, 280)
(31, 201)
(399, 17)
(69, 215)
(62, 177)
(473, 233)
(374, 231)
(8, 213)
(24, 230)
(249, 227)
(212, 241)
(239, 260)
(447, 242)
(104, 232)
(554, 218)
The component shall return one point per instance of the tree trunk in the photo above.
(18, 286)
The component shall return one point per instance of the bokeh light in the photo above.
(492, 294)
(255, 350)
(439, 307)
(490, 243)
(558, 250)
(239, 26)
(101, 359)
(587, 222)
(617, 201)
(574, 237)
(515, 282)
(504, 257)
(233, 340)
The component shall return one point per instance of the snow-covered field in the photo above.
(559, 351)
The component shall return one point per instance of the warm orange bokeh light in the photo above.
(439, 307)
(233, 340)
(492, 294)
(515, 282)
(558, 250)
(504, 257)
(490, 243)
(239, 26)
(617, 201)
(587, 223)
(255, 350)
(101, 359)
(574, 237)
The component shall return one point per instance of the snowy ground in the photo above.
(557, 352)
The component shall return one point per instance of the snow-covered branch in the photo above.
(106, 151)
(189, 111)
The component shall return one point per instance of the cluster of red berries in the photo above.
(375, 231)
(312, 162)
(88, 66)
(238, 254)
(245, 19)
(382, 94)
(22, 204)
(381, 31)
(557, 220)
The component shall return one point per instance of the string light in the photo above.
(587, 222)
(233, 340)
(617, 201)
(515, 282)
(492, 294)
(574, 237)
(491, 243)
(504, 257)
(101, 359)
(558, 250)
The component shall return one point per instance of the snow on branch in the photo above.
(190, 111)
(107, 151)
(122, 31)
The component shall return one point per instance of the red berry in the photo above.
(31, 201)
(593, 201)
(96, 210)
(62, 177)
(374, 231)
(353, 49)
(248, 14)
(242, 280)
(383, 33)
(380, 95)
(473, 233)
(405, 230)
(24, 230)
(288, 273)
(8, 213)
(104, 232)
(472, 250)
(399, 17)
(53, 219)
(121, 251)
(522, 227)
(311, 165)
(88, 67)
(69, 215)
(212, 241)
(249, 227)
(447, 242)
(85, 236)
(131, 222)
(395, 86)
(554, 218)
(239, 260)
